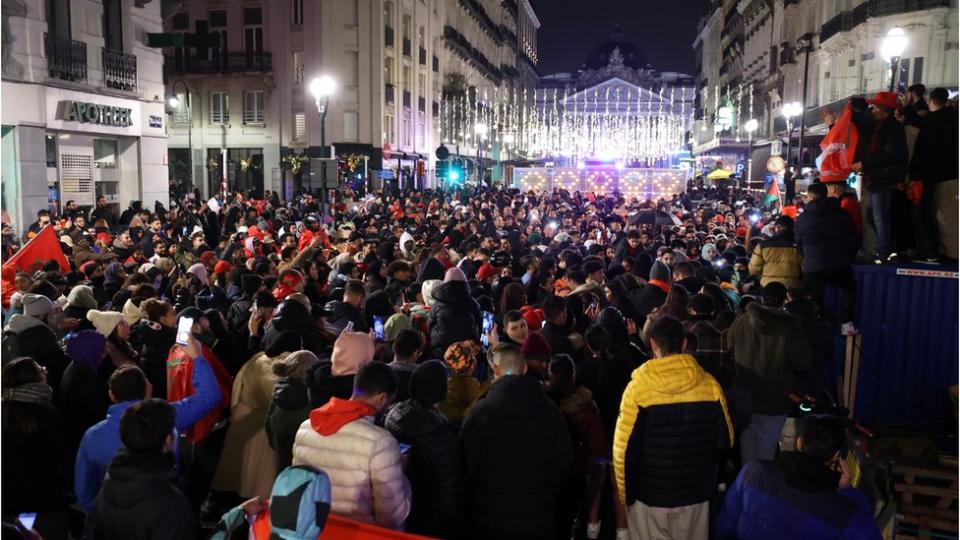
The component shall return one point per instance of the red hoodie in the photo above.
(337, 413)
(180, 385)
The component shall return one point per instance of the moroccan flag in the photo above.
(42, 248)
(773, 192)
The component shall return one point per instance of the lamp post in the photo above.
(480, 129)
(790, 110)
(806, 44)
(174, 102)
(322, 88)
(890, 49)
(751, 126)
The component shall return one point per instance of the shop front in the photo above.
(62, 145)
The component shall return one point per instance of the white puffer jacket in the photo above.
(363, 463)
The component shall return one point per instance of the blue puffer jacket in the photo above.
(784, 501)
(101, 442)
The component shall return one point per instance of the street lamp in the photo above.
(174, 103)
(790, 111)
(807, 45)
(481, 130)
(750, 127)
(322, 88)
(891, 48)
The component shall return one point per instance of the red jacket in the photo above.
(179, 386)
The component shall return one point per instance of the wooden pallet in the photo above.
(928, 502)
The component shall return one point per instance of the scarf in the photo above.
(36, 393)
(663, 285)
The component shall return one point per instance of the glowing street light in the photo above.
(790, 111)
(322, 88)
(891, 48)
(750, 127)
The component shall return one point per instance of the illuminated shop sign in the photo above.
(93, 113)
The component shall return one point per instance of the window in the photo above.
(421, 132)
(253, 30)
(297, 65)
(405, 129)
(351, 120)
(297, 12)
(181, 21)
(219, 107)
(58, 18)
(917, 70)
(407, 78)
(388, 76)
(253, 107)
(104, 153)
(180, 113)
(112, 25)
(217, 25)
(388, 127)
(352, 69)
(388, 12)
(299, 126)
(421, 85)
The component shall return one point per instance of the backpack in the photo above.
(10, 347)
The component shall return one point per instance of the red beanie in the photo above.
(206, 257)
(486, 271)
(535, 346)
(534, 318)
(287, 284)
(221, 267)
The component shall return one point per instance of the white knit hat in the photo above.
(104, 321)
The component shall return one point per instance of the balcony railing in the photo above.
(388, 36)
(421, 104)
(879, 8)
(119, 70)
(66, 58)
(231, 62)
(422, 56)
(406, 98)
(848, 20)
(388, 92)
(407, 47)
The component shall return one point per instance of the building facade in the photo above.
(83, 106)
(252, 109)
(769, 50)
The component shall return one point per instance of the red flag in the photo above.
(773, 191)
(838, 147)
(42, 248)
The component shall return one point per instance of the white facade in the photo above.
(88, 55)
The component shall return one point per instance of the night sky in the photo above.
(663, 30)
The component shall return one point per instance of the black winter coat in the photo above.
(323, 385)
(292, 315)
(139, 500)
(518, 453)
(556, 337)
(38, 341)
(434, 469)
(886, 162)
(340, 313)
(289, 408)
(826, 236)
(37, 462)
(454, 316)
(645, 300)
(935, 152)
(84, 398)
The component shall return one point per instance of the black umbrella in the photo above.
(654, 217)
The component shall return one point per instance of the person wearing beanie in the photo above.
(221, 268)
(28, 334)
(131, 312)
(37, 306)
(434, 469)
(454, 314)
(239, 313)
(208, 259)
(199, 271)
(289, 282)
(335, 379)
(290, 403)
(536, 352)
(105, 322)
(463, 388)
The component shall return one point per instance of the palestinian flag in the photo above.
(773, 192)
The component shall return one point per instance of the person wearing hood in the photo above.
(433, 467)
(113, 277)
(517, 454)
(432, 268)
(79, 302)
(296, 314)
(654, 293)
(349, 310)
(673, 425)
(335, 378)
(581, 496)
(362, 460)
(139, 499)
(247, 465)
(35, 339)
(239, 312)
(84, 395)
(290, 404)
(127, 386)
(454, 314)
(808, 490)
(36, 457)
(769, 348)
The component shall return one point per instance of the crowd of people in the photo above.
(469, 363)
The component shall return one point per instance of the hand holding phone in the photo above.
(184, 326)
(487, 326)
(378, 331)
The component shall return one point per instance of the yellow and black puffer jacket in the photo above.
(672, 427)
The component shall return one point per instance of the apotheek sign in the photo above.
(94, 113)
